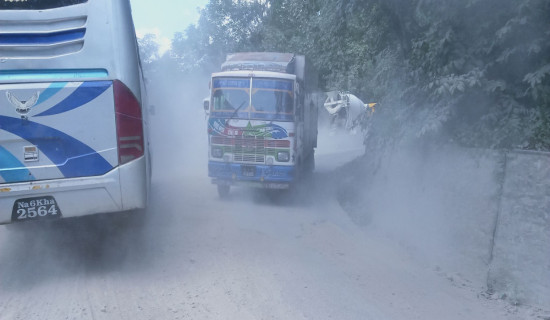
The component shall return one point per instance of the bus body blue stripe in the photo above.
(87, 92)
(11, 169)
(54, 88)
(75, 159)
(14, 75)
(41, 38)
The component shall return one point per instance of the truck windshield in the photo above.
(254, 98)
(229, 94)
(272, 96)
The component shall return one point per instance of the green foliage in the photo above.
(148, 49)
(225, 26)
(476, 72)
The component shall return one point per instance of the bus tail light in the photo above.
(129, 124)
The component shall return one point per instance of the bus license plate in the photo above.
(35, 208)
(249, 171)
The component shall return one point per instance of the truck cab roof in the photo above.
(260, 61)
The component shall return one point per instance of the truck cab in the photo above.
(262, 121)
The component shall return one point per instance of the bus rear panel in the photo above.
(72, 131)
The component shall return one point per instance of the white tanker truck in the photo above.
(346, 111)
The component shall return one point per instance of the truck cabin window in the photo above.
(230, 99)
(269, 96)
(272, 96)
(230, 94)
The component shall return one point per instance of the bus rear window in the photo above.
(36, 4)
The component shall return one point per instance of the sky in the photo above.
(165, 17)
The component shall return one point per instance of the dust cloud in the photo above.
(34, 253)
(413, 197)
(193, 254)
(137, 241)
(428, 195)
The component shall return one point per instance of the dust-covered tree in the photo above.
(224, 26)
(474, 72)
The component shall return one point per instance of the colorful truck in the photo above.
(262, 121)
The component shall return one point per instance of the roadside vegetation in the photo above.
(475, 72)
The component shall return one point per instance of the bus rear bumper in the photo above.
(121, 189)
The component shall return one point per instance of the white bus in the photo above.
(73, 134)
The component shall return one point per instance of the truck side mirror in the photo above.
(206, 105)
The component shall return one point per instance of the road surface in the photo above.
(195, 256)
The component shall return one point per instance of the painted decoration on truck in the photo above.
(265, 130)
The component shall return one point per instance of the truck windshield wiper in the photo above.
(236, 110)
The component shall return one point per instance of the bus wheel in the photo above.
(223, 190)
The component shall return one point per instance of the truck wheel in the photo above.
(223, 190)
(310, 164)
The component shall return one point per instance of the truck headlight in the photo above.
(217, 152)
(283, 156)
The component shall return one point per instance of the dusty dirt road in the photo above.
(195, 256)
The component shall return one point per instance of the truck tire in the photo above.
(310, 164)
(223, 190)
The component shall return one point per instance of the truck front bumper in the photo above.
(271, 177)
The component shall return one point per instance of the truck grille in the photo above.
(249, 149)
